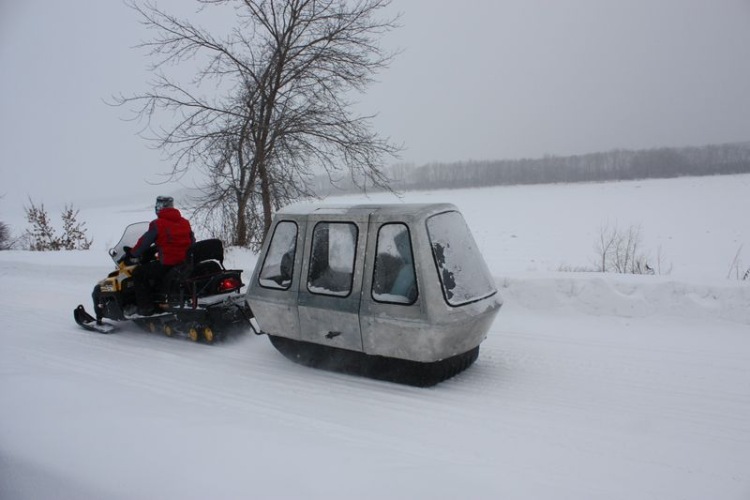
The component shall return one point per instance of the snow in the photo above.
(588, 386)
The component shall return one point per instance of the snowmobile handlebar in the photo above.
(127, 258)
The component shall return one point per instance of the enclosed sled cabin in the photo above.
(401, 281)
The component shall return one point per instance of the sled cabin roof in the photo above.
(410, 210)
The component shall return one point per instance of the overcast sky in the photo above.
(488, 79)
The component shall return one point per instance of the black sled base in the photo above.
(88, 322)
(400, 371)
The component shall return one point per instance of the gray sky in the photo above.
(477, 80)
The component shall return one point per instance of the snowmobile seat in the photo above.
(204, 259)
(206, 250)
(205, 262)
(206, 267)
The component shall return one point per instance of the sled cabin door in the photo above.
(331, 284)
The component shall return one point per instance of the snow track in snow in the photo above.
(579, 405)
(588, 386)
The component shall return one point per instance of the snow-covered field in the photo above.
(589, 386)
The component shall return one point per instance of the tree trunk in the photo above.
(240, 238)
(266, 198)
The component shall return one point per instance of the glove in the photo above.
(126, 255)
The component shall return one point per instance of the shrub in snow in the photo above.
(5, 240)
(619, 251)
(41, 236)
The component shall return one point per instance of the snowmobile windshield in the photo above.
(129, 239)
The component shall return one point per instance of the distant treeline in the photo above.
(722, 159)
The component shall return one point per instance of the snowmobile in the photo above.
(199, 298)
(393, 292)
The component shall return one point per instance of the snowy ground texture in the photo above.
(589, 386)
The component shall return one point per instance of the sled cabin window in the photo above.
(463, 274)
(332, 255)
(278, 266)
(393, 279)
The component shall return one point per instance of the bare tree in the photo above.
(280, 109)
(74, 232)
(619, 251)
(41, 234)
(6, 243)
(42, 237)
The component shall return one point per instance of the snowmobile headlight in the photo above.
(229, 284)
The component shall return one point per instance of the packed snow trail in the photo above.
(562, 403)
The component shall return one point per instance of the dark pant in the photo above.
(148, 278)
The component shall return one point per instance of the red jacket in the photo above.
(172, 235)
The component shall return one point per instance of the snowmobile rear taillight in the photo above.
(229, 284)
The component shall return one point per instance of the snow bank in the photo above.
(602, 294)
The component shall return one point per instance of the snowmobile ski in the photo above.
(88, 322)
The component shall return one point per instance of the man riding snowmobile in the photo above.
(186, 289)
(172, 235)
